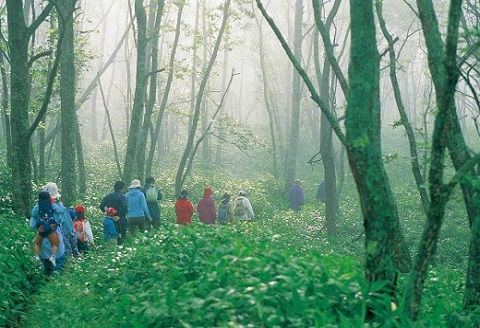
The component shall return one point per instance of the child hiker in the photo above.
(110, 234)
(83, 230)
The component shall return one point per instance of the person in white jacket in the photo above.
(243, 208)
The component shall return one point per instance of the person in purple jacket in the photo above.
(297, 198)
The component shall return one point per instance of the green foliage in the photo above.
(5, 194)
(18, 276)
(203, 276)
(279, 270)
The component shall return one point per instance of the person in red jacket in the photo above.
(184, 209)
(207, 213)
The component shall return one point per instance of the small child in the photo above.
(83, 230)
(110, 234)
(46, 225)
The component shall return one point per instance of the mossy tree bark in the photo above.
(67, 98)
(19, 35)
(364, 148)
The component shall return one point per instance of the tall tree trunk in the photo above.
(221, 123)
(204, 116)
(20, 94)
(326, 150)
(402, 254)
(18, 38)
(267, 100)
(364, 149)
(129, 168)
(166, 92)
(67, 97)
(326, 131)
(293, 142)
(6, 115)
(152, 94)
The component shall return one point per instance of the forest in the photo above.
(378, 99)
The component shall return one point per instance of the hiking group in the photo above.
(64, 233)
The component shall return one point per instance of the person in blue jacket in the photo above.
(110, 234)
(137, 208)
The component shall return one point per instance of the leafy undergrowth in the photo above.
(241, 275)
(281, 270)
(18, 277)
(203, 276)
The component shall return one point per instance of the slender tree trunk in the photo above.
(152, 94)
(204, 116)
(326, 136)
(326, 150)
(414, 159)
(166, 92)
(109, 121)
(221, 123)
(130, 166)
(82, 174)
(196, 41)
(266, 98)
(181, 172)
(293, 142)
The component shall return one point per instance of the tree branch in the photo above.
(41, 18)
(38, 56)
(49, 90)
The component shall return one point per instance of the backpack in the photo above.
(151, 195)
(240, 208)
(79, 230)
(222, 215)
(45, 218)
